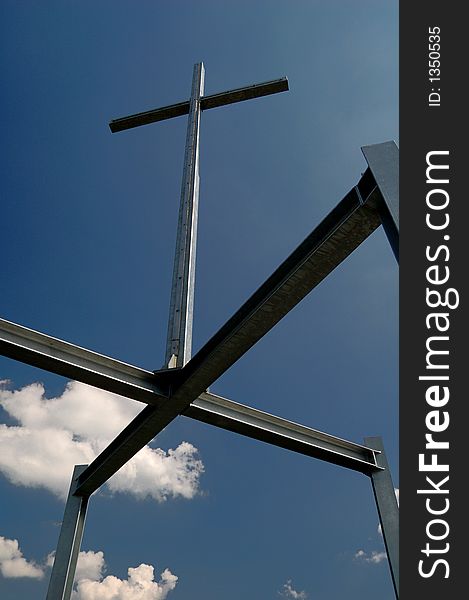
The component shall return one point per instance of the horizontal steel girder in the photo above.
(138, 384)
(352, 221)
(229, 415)
(256, 424)
(54, 355)
(213, 101)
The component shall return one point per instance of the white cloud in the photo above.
(72, 429)
(13, 563)
(50, 559)
(176, 472)
(90, 583)
(140, 585)
(90, 565)
(289, 592)
(376, 557)
(372, 557)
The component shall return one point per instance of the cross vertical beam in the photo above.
(388, 510)
(179, 338)
(68, 547)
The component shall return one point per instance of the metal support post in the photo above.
(383, 160)
(388, 509)
(68, 546)
(179, 340)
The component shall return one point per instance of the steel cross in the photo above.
(173, 391)
(179, 338)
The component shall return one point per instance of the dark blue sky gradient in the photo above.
(88, 231)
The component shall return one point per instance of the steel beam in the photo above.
(68, 547)
(68, 360)
(150, 116)
(383, 161)
(138, 384)
(245, 93)
(352, 221)
(256, 424)
(179, 338)
(213, 101)
(388, 509)
(333, 240)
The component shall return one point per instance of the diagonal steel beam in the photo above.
(345, 228)
(335, 238)
(213, 101)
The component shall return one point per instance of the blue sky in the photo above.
(88, 232)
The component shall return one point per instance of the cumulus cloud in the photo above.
(91, 584)
(13, 563)
(371, 557)
(90, 580)
(73, 429)
(90, 565)
(288, 592)
(140, 585)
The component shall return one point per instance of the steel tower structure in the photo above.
(181, 386)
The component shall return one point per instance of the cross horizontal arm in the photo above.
(182, 108)
(276, 431)
(245, 93)
(150, 116)
(45, 352)
(346, 226)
